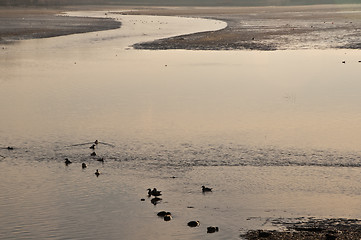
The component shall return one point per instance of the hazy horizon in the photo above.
(176, 2)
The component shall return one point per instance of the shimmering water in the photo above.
(276, 134)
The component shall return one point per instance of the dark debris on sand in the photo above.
(310, 229)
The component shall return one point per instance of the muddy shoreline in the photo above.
(311, 229)
(269, 28)
(29, 23)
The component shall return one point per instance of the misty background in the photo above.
(174, 2)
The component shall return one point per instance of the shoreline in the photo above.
(248, 28)
(268, 28)
(30, 23)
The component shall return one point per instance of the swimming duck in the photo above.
(83, 165)
(163, 214)
(10, 148)
(193, 224)
(154, 192)
(92, 146)
(93, 154)
(97, 173)
(100, 159)
(67, 161)
(212, 229)
(206, 189)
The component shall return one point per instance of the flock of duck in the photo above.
(93, 154)
(154, 193)
(167, 216)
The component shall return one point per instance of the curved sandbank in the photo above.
(268, 28)
(150, 28)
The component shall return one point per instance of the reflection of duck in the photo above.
(83, 165)
(193, 223)
(155, 200)
(167, 218)
(212, 229)
(97, 173)
(67, 161)
(206, 189)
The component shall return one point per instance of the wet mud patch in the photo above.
(279, 28)
(310, 228)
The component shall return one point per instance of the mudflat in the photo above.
(28, 23)
(253, 28)
(267, 28)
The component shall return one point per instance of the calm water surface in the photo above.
(276, 134)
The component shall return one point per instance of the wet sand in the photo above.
(252, 28)
(303, 228)
(268, 28)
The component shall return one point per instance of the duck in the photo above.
(67, 161)
(92, 146)
(163, 214)
(212, 229)
(100, 159)
(83, 165)
(154, 192)
(206, 189)
(193, 224)
(97, 173)
(93, 154)
(10, 148)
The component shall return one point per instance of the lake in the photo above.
(276, 135)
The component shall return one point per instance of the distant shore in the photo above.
(250, 28)
(29, 23)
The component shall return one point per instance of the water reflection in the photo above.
(261, 128)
